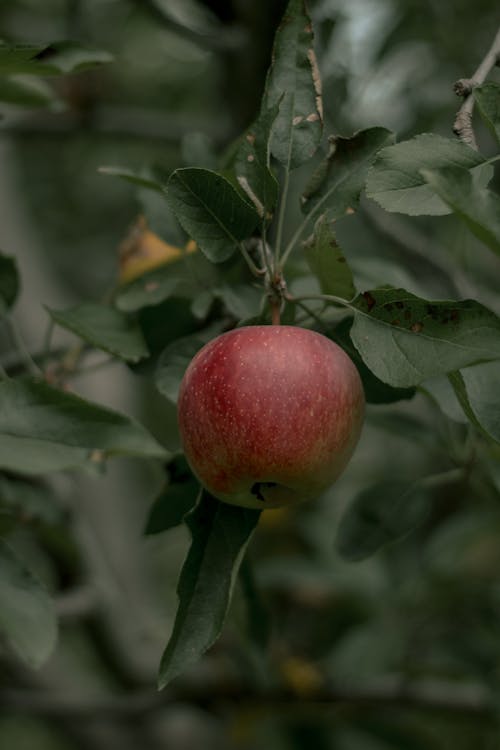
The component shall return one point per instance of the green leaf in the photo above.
(442, 393)
(376, 391)
(476, 389)
(9, 282)
(251, 164)
(14, 58)
(211, 211)
(327, 262)
(43, 429)
(487, 99)
(240, 300)
(71, 57)
(220, 534)
(156, 286)
(381, 514)
(144, 180)
(28, 501)
(335, 186)
(176, 499)
(395, 179)
(293, 79)
(53, 59)
(104, 328)
(478, 208)
(186, 277)
(174, 360)
(28, 92)
(404, 339)
(27, 614)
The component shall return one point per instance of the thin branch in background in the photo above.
(78, 603)
(466, 700)
(464, 87)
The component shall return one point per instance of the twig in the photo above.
(252, 266)
(78, 603)
(464, 87)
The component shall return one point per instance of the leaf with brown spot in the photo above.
(445, 336)
(293, 80)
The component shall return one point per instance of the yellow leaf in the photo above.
(142, 250)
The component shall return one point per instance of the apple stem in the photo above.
(275, 311)
(276, 292)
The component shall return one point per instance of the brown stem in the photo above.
(462, 127)
(275, 311)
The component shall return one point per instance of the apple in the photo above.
(269, 415)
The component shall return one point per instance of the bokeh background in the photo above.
(186, 79)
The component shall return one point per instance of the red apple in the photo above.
(270, 415)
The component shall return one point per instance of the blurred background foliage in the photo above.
(186, 79)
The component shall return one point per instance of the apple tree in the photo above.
(365, 618)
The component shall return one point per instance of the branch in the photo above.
(469, 700)
(464, 87)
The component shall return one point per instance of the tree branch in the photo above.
(464, 87)
(470, 700)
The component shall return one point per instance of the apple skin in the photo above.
(269, 415)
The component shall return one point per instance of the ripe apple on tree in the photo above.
(270, 415)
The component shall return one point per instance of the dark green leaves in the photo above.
(386, 512)
(376, 391)
(27, 616)
(71, 57)
(16, 58)
(28, 92)
(328, 263)
(174, 361)
(293, 79)
(338, 181)
(478, 208)
(381, 514)
(220, 534)
(9, 282)
(487, 99)
(211, 211)
(44, 429)
(176, 499)
(476, 389)
(135, 178)
(395, 180)
(104, 328)
(404, 339)
(177, 278)
(251, 165)
(42, 60)
(52, 59)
